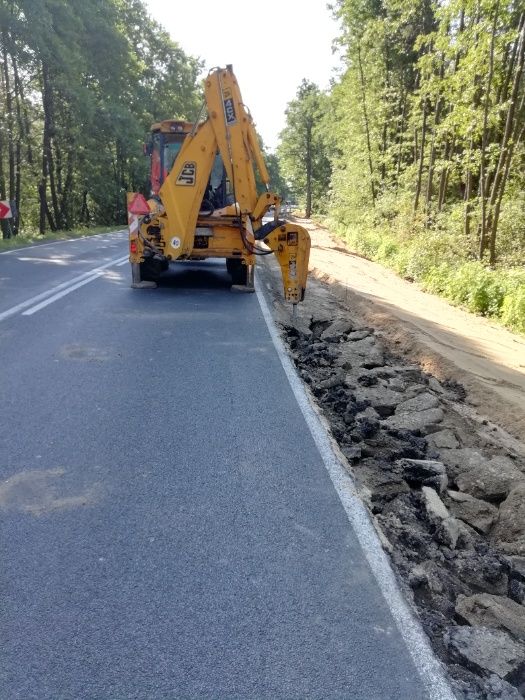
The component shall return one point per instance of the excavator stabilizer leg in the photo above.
(246, 273)
(137, 282)
(249, 287)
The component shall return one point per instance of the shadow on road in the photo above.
(196, 274)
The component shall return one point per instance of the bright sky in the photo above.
(272, 45)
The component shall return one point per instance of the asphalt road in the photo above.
(168, 528)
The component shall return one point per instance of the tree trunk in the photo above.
(432, 156)
(503, 90)
(497, 207)
(401, 136)
(10, 121)
(308, 212)
(384, 142)
(65, 200)
(367, 126)
(19, 138)
(507, 148)
(482, 174)
(421, 157)
(4, 224)
(45, 214)
(18, 186)
(496, 132)
(84, 212)
(23, 118)
(443, 178)
(468, 193)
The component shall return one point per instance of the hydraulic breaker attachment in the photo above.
(291, 245)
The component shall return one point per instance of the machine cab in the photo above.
(166, 139)
(164, 146)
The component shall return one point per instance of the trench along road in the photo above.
(174, 523)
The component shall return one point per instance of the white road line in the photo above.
(96, 273)
(61, 294)
(428, 666)
(64, 285)
(122, 263)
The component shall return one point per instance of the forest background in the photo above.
(415, 155)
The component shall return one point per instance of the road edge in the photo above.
(428, 666)
(41, 244)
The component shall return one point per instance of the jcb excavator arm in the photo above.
(175, 227)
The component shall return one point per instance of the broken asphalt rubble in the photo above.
(449, 503)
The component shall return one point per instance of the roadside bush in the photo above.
(511, 231)
(476, 287)
(513, 308)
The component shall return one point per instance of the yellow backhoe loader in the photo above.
(204, 201)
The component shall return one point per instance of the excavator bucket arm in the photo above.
(236, 137)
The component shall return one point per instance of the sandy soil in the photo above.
(452, 344)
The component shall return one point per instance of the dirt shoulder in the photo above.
(452, 344)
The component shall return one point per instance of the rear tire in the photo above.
(238, 271)
(151, 269)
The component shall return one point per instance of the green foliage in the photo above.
(513, 307)
(427, 145)
(304, 148)
(81, 83)
(471, 285)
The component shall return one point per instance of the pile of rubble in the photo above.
(448, 501)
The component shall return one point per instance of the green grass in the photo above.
(32, 238)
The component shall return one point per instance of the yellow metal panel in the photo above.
(291, 245)
(182, 193)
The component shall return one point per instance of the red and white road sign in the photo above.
(138, 205)
(5, 210)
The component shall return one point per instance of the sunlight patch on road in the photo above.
(53, 294)
(63, 260)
